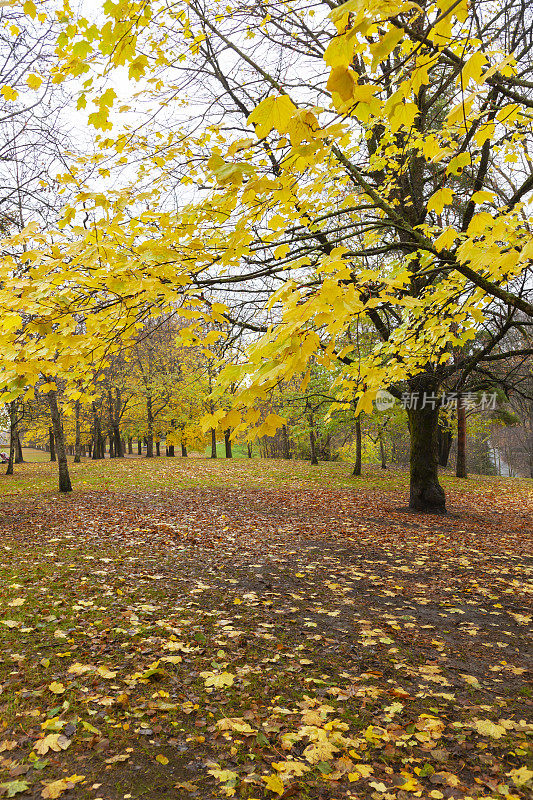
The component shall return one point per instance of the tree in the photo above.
(386, 209)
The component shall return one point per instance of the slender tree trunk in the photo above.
(227, 443)
(98, 444)
(64, 477)
(118, 441)
(249, 446)
(158, 448)
(130, 445)
(12, 436)
(358, 459)
(184, 450)
(460, 471)
(213, 443)
(426, 493)
(150, 420)
(382, 451)
(171, 451)
(77, 447)
(139, 447)
(286, 442)
(312, 441)
(445, 443)
(52, 444)
(111, 446)
(19, 455)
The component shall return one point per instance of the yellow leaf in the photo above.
(217, 679)
(439, 199)
(274, 784)
(272, 112)
(162, 759)
(8, 93)
(106, 673)
(342, 81)
(55, 789)
(34, 81)
(487, 728)
(56, 687)
(54, 741)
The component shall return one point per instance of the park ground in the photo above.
(187, 628)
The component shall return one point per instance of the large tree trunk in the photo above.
(64, 477)
(150, 435)
(531, 439)
(227, 443)
(77, 446)
(358, 458)
(171, 451)
(213, 443)
(426, 493)
(445, 442)
(52, 444)
(184, 450)
(19, 455)
(312, 441)
(460, 470)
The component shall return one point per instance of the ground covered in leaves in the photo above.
(248, 633)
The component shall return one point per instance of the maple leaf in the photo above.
(487, 728)
(273, 783)
(106, 673)
(218, 680)
(56, 788)
(14, 787)
(54, 741)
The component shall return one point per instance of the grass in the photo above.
(133, 474)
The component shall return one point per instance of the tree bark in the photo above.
(12, 437)
(52, 444)
(249, 448)
(171, 451)
(531, 439)
(286, 442)
(382, 451)
(426, 493)
(213, 443)
(130, 445)
(460, 470)
(118, 442)
(150, 435)
(312, 441)
(77, 446)
(227, 443)
(445, 442)
(64, 477)
(184, 450)
(158, 448)
(19, 455)
(139, 447)
(98, 446)
(358, 460)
